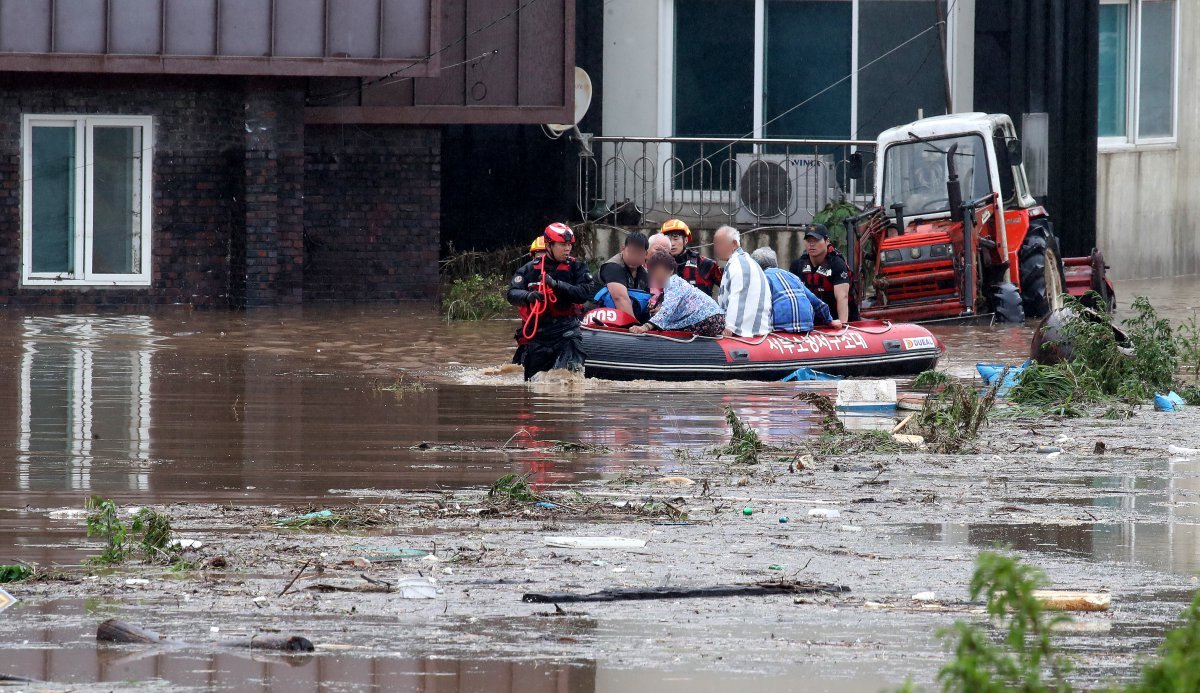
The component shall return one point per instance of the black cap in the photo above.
(816, 230)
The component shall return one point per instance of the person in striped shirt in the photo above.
(745, 293)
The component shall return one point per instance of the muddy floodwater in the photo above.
(229, 421)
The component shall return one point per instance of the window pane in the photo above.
(1114, 56)
(909, 80)
(714, 82)
(1157, 71)
(116, 200)
(797, 68)
(53, 203)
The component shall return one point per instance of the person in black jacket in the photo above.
(549, 294)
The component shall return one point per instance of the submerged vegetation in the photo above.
(1103, 368)
(744, 444)
(952, 417)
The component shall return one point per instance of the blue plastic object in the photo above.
(806, 374)
(1174, 397)
(1164, 402)
(990, 372)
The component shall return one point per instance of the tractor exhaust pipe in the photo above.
(953, 189)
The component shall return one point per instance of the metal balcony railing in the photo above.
(640, 181)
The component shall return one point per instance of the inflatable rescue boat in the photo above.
(872, 348)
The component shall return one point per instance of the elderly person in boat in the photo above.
(793, 307)
(745, 292)
(683, 308)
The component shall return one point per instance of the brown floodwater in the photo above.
(299, 406)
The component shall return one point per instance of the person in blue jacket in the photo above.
(793, 307)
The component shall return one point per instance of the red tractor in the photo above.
(933, 246)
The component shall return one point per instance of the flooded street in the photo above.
(241, 414)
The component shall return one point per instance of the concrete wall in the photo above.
(1148, 210)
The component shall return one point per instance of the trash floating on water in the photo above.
(824, 513)
(1176, 450)
(910, 440)
(637, 594)
(417, 588)
(851, 528)
(547, 505)
(186, 544)
(676, 481)
(807, 375)
(67, 514)
(1069, 600)
(925, 597)
(1048, 449)
(867, 396)
(747, 511)
(783, 520)
(593, 542)
(318, 515)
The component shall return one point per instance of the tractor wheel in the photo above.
(1038, 262)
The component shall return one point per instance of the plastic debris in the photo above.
(308, 516)
(593, 542)
(910, 440)
(136, 582)
(925, 597)
(186, 544)
(991, 372)
(1168, 402)
(1176, 450)
(1068, 600)
(867, 395)
(1047, 449)
(67, 514)
(783, 520)
(808, 374)
(747, 511)
(824, 513)
(851, 528)
(774, 566)
(676, 481)
(417, 588)
(547, 505)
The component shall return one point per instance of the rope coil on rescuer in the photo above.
(536, 308)
(557, 232)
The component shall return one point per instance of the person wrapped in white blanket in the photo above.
(745, 292)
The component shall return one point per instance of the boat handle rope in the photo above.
(887, 327)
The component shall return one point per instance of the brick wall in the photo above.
(198, 129)
(250, 206)
(371, 213)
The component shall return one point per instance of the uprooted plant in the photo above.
(513, 488)
(148, 532)
(952, 417)
(744, 443)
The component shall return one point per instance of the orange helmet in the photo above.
(538, 245)
(676, 226)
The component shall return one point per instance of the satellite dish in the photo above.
(583, 99)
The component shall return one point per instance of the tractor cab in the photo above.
(955, 232)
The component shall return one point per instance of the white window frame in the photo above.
(84, 127)
(1133, 84)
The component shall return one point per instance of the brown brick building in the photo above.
(250, 152)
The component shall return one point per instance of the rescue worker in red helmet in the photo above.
(699, 271)
(549, 292)
(537, 249)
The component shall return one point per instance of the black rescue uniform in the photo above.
(822, 278)
(557, 343)
(699, 271)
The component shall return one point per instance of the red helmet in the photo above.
(559, 232)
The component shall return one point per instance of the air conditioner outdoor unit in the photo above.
(782, 189)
